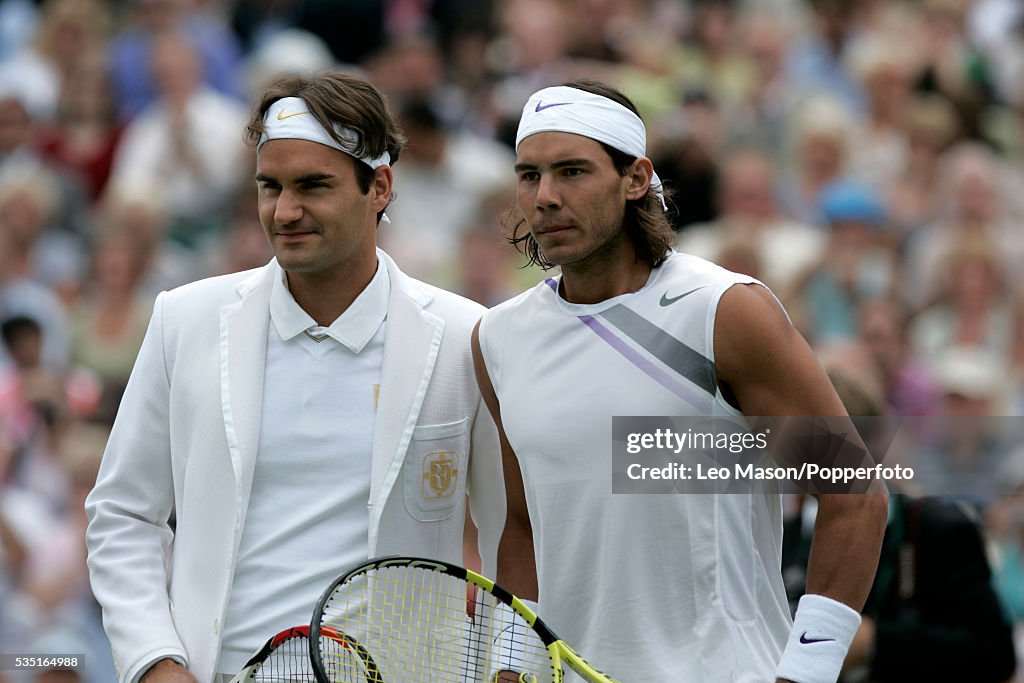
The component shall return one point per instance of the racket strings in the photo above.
(288, 661)
(416, 625)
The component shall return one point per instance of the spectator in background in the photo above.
(68, 30)
(973, 308)
(19, 21)
(243, 246)
(85, 133)
(444, 179)
(689, 157)
(38, 249)
(886, 67)
(168, 263)
(1005, 521)
(67, 617)
(933, 614)
(24, 523)
(132, 51)
(287, 50)
(410, 70)
(912, 197)
(109, 320)
(817, 154)
(34, 415)
(749, 213)
(484, 266)
(22, 296)
(184, 148)
(953, 67)
(972, 209)
(966, 445)
(856, 264)
(816, 62)
(907, 382)
(760, 118)
(534, 44)
(712, 58)
(19, 158)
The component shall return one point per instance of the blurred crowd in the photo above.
(863, 159)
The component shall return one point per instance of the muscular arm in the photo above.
(517, 569)
(771, 371)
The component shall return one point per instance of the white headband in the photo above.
(289, 118)
(562, 109)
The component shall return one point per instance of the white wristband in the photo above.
(822, 632)
(508, 638)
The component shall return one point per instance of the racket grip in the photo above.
(508, 639)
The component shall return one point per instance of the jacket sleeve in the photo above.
(129, 536)
(955, 629)
(486, 488)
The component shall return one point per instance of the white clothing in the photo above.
(149, 159)
(307, 509)
(648, 587)
(185, 442)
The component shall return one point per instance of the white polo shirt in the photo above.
(307, 516)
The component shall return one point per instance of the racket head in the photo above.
(413, 616)
(285, 658)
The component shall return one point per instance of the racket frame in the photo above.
(558, 649)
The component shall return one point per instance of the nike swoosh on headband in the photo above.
(281, 116)
(541, 107)
(668, 301)
(807, 641)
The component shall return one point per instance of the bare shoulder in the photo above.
(751, 327)
(764, 361)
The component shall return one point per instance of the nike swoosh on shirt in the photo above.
(807, 641)
(666, 300)
(541, 107)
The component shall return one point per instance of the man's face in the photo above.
(571, 195)
(318, 220)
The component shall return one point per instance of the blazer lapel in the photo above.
(410, 352)
(243, 349)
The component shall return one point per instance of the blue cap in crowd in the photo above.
(849, 201)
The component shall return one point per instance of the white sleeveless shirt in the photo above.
(647, 587)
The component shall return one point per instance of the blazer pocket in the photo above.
(435, 470)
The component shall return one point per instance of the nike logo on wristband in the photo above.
(807, 641)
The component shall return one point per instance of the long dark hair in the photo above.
(644, 220)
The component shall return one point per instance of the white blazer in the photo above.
(185, 441)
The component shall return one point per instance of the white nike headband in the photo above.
(289, 118)
(562, 109)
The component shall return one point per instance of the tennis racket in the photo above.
(413, 614)
(285, 658)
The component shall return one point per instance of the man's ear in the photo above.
(639, 175)
(381, 188)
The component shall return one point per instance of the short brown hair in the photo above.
(338, 98)
(644, 221)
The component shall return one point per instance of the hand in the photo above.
(863, 645)
(167, 671)
(506, 677)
